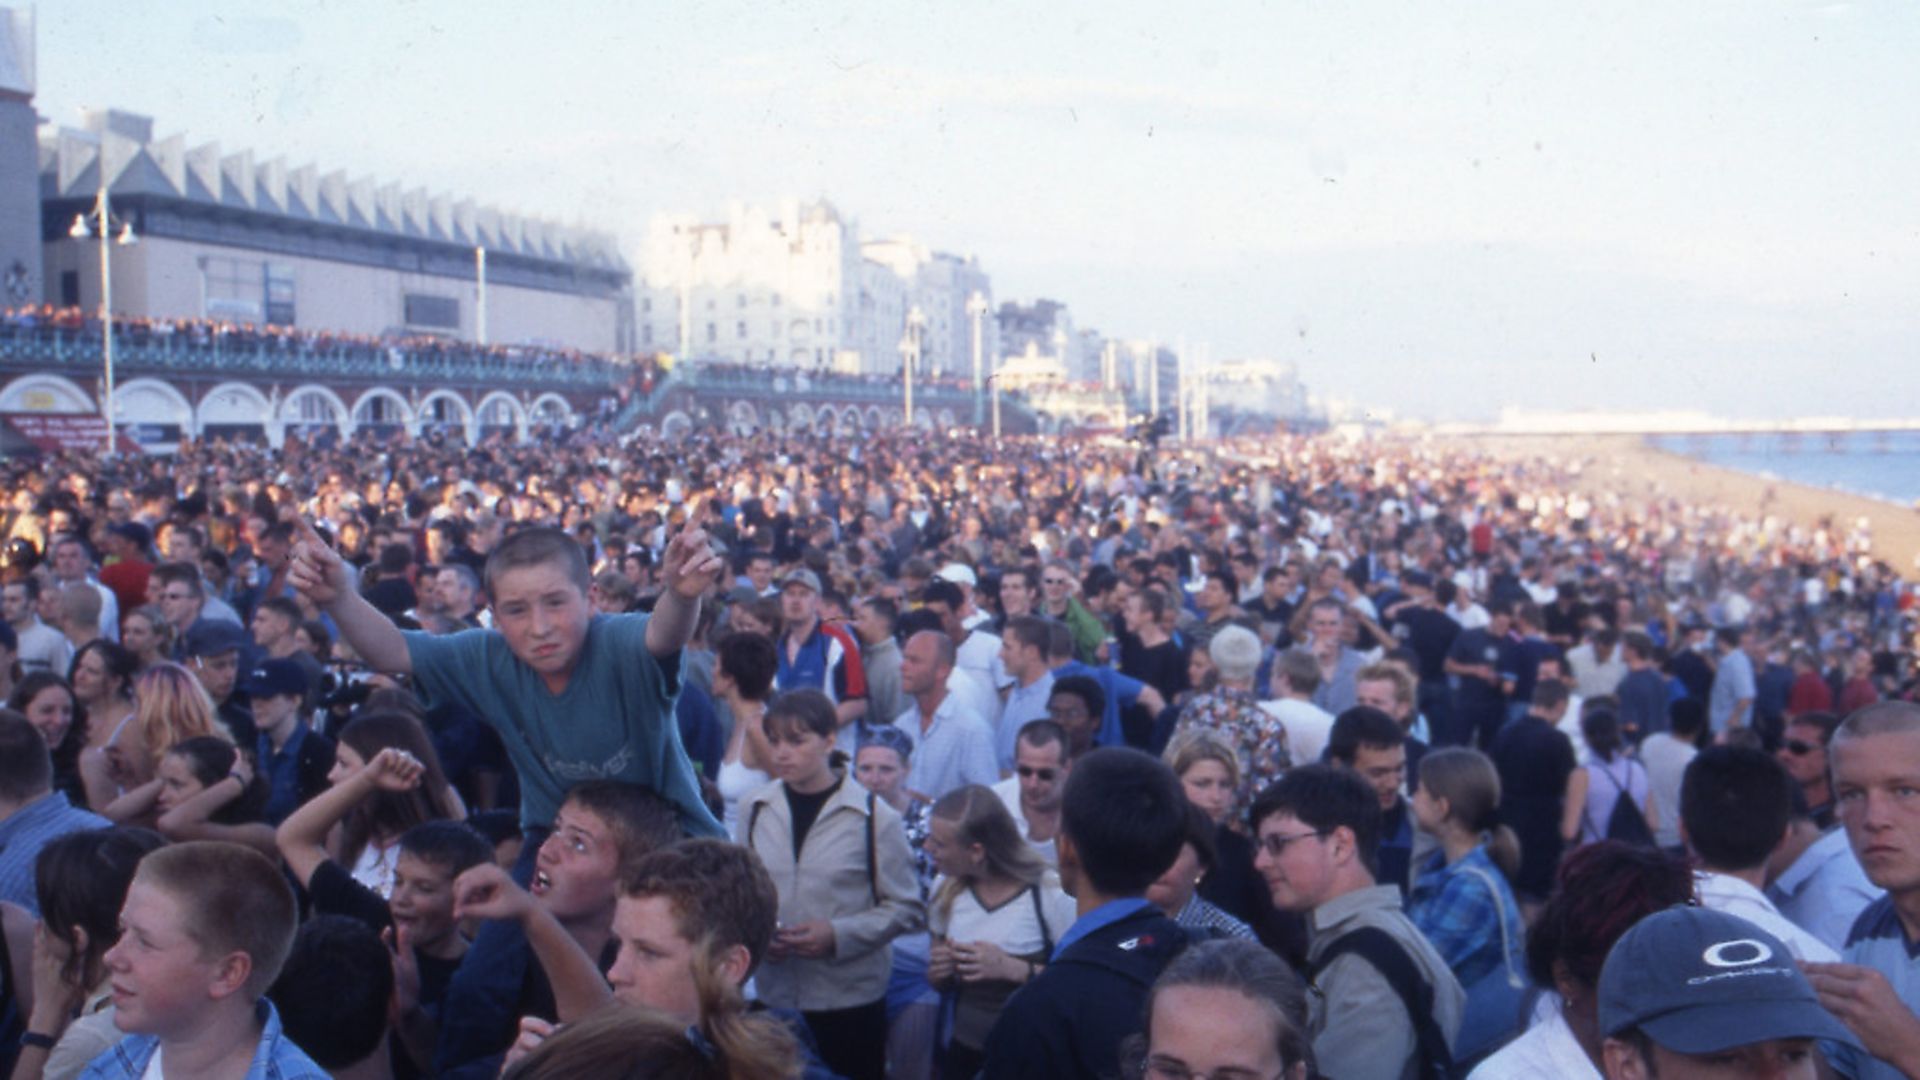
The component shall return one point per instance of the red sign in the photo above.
(55, 432)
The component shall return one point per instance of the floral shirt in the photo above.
(1258, 740)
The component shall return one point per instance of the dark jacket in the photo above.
(1070, 1020)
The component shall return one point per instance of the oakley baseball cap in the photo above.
(1699, 982)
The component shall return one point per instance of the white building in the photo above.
(797, 287)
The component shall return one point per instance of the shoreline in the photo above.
(1630, 465)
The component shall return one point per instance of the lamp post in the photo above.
(480, 280)
(976, 309)
(995, 380)
(910, 355)
(102, 217)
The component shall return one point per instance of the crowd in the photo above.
(933, 756)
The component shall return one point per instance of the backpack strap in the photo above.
(1386, 956)
(873, 865)
(753, 819)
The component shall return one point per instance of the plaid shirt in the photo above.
(1258, 739)
(1205, 917)
(1452, 906)
(276, 1058)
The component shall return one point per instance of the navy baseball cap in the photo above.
(1699, 982)
(276, 678)
(212, 637)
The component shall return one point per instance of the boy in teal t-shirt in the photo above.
(574, 695)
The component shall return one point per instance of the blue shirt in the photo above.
(31, 828)
(276, 1058)
(1878, 941)
(1105, 915)
(1460, 908)
(1117, 688)
(614, 720)
(282, 772)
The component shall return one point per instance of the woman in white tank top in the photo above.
(743, 669)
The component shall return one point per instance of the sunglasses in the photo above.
(1043, 775)
(1797, 747)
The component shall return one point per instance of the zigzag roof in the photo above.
(136, 164)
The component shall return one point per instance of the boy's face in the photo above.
(578, 868)
(162, 979)
(422, 900)
(543, 615)
(655, 966)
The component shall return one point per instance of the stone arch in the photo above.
(675, 425)
(551, 408)
(944, 419)
(48, 394)
(742, 418)
(236, 410)
(893, 418)
(155, 408)
(850, 420)
(800, 416)
(446, 407)
(383, 408)
(499, 411)
(922, 419)
(875, 418)
(313, 407)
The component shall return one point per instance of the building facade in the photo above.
(223, 236)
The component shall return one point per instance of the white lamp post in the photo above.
(910, 355)
(976, 309)
(101, 225)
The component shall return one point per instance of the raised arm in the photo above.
(688, 568)
(318, 573)
(193, 819)
(486, 892)
(303, 836)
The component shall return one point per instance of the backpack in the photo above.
(1626, 823)
(1433, 1059)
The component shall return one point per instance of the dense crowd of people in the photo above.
(934, 756)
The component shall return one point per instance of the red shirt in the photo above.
(1810, 693)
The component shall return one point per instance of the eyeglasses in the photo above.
(1043, 775)
(1275, 845)
(1797, 747)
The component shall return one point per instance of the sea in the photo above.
(1878, 464)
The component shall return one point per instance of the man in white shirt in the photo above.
(1734, 804)
(952, 745)
(1032, 793)
(1296, 675)
(42, 648)
(73, 565)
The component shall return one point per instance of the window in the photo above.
(740, 328)
(280, 295)
(69, 288)
(773, 328)
(776, 299)
(234, 288)
(646, 334)
(740, 300)
(432, 312)
(713, 333)
(646, 304)
(709, 303)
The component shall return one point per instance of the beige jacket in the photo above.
(834, 879)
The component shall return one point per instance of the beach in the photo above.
(1626, 464)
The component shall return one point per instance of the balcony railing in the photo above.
(77, 351)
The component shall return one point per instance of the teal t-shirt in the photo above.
(614, 721)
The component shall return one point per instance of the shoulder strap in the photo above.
(1386, 956)
(753, 819)
(1514, 978)
(873, 866)
(1040, 916)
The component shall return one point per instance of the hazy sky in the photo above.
(1441, 209)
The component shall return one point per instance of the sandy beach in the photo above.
(1626, 464)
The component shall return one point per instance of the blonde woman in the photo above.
(170, 707)
(1209, 770)
(995, 916)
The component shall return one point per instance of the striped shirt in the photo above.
(29, 829)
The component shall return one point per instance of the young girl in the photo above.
(148, 636)
(368, 838)
(50, 706)
(995, 918)
(1594, 788)
(1461, 898)
(744, 666)
(171, 707)
(102, 679)
(838, 857)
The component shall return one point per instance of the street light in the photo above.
(995, 380)
(910, 354)
(102, 213)
(976, 308)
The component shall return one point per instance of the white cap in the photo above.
(958, 573)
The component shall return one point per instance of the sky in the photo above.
(1438, 210)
